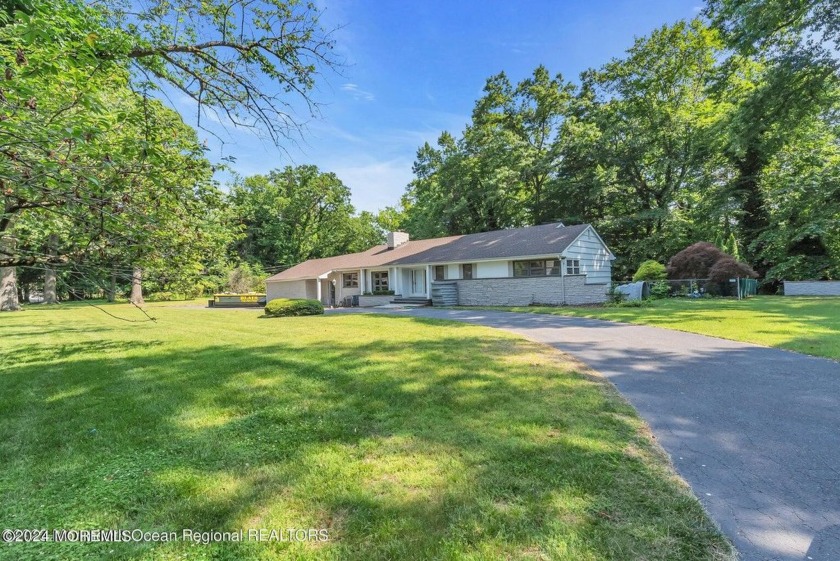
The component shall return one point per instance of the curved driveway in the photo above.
(755, 431)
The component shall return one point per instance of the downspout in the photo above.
(563, 276)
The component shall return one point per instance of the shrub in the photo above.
(284, 307)
(705, 261)
(379, 293)
(165, 296)
(614, 296)
(650, 270)
(695, 261)
(728, 268)
(660, 289)
(246, 278)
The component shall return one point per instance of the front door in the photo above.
(417, 278)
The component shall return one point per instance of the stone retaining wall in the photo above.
(812, 288)
(533, 290)
(372, 301)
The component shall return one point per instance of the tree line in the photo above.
(721, 129)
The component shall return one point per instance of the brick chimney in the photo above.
(396, 239)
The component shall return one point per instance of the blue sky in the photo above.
(414, 69)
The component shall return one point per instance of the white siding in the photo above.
(594, 257)
(453, 271)
(493, 270)
(288, 289)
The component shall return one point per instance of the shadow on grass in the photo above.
(409, 449)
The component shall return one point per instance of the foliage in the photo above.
(249, 64)
(660, 289)
(285, 307)
(728, 268)
(88, 158)
(650, 270)
(165, 297)
(380, 293)
(782, 27)
(222, 417)
(688, 137)
(704, 260)
(695, 261)
(246, 278)
(295, 214)
(496, 175)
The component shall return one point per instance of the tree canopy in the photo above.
(701, 132)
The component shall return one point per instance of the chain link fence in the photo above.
(699, 288)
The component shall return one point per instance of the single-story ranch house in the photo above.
(548, 264)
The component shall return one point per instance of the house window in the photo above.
(350, 280)
(467, 271)
(539, 268)
(440, 272)
(379, 280)
(573, 266)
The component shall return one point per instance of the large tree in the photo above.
(77, 75)
(794, 45)
(643, 121)
(295, 214)
(497, 173)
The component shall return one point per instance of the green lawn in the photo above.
(403, 438)
(803, 324)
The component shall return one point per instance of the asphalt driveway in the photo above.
(755, 431)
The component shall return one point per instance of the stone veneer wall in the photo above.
(533, 290)
(371, 301)
(812, 288)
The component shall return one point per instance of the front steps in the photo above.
(412, 301)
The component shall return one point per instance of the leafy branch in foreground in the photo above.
(254, 63)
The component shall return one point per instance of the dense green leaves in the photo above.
(89, 159)
(681, 140)
(298, 213)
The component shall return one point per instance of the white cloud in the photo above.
(357, 93)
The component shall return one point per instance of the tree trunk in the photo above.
(8, 282)
(50, 296)
(136, 286)
(755, 218)
(112, 288)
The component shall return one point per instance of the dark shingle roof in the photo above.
(548, 239)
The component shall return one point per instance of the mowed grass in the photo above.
(809, 325)
(403, 438)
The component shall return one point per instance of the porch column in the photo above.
(318, 289)
(362, 280)
(429, 282)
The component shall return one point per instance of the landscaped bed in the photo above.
(403, 439)
(808, 325)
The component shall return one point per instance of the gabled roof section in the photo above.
(377, 256)
(548, 239)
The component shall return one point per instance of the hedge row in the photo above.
(284, 307)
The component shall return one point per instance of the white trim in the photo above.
(597, 235)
